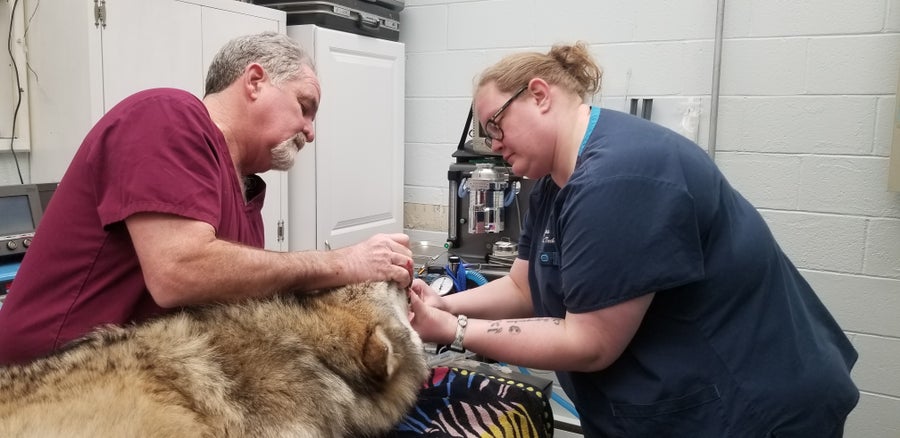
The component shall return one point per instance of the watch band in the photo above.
(461, 322)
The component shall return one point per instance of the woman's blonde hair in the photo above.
(568, 66)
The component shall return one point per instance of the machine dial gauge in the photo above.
(442, 285)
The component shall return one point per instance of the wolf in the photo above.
(339, 363)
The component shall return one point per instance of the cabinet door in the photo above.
(149, 44)
(82, 68)
(170, 43)
(359, 144)
(64, 81)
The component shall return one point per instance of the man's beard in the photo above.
(283, 155)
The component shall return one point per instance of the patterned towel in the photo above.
(456, 402)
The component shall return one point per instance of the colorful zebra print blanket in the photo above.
(457, 402)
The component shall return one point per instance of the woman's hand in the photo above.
(427, 294)
(427, 317)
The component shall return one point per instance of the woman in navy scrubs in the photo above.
(652, 287)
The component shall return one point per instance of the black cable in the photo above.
(19, 91)
(465, 132)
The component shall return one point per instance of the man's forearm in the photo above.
(225, 271)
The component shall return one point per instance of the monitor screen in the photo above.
(15, 215)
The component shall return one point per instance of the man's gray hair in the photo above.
(281, 57)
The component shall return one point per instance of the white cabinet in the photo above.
(348, 183)
(79, 68)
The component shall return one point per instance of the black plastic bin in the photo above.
(379, 19)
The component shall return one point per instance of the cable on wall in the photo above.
(19, 92)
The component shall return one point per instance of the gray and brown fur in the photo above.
(341, 363)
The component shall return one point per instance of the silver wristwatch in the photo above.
(461, 322)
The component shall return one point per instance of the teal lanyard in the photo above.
(595, 114)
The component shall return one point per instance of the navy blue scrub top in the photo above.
(735, 342)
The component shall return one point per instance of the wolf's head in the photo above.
(389, 341)
(381, 359)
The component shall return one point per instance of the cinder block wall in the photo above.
(804, 128)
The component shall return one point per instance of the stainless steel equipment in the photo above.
(487, 204)
(487, 189)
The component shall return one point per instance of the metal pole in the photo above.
(717, 70)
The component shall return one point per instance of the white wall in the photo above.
(805, 117)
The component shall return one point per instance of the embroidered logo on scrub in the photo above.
(549, 253)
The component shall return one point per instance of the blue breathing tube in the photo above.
(462, 274)
(476, 277)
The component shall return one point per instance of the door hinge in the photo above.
(99, 13)
(279, 235)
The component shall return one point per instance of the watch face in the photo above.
(442, 285)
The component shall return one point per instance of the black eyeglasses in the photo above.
(491, 127)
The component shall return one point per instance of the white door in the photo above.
(82, 67)
(149, 44)
(170, 43)
(358, 152)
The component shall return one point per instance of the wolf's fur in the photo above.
(340, 363)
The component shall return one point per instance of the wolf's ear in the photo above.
(378, 355)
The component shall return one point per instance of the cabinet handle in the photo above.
(370, 21)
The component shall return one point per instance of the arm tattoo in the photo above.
(513, 326)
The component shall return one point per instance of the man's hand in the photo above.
(383, 257)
